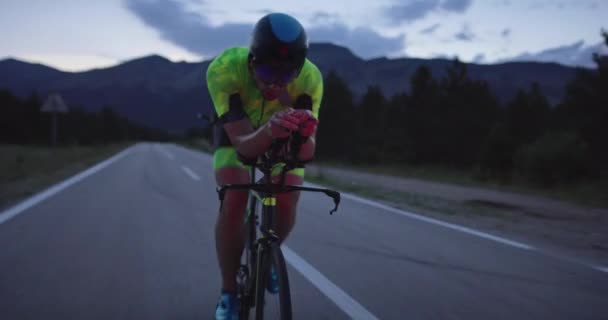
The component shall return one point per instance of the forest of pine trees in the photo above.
(457, 122)
(22, 122)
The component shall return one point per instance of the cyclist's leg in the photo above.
(229, 235)
(287, 204)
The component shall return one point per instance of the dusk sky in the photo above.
(75, 35)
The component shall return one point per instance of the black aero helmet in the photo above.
(279, 39)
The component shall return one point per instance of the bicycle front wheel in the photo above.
(273, 257)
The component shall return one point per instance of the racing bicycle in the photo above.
(262, 249)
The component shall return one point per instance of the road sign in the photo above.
(54, 103)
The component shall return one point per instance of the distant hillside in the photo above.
(157, 92)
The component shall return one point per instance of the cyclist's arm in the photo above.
(307, 151)
(251, 143)
(223, 83)
(310, 100)
(248, 142)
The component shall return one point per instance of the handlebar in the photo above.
(276, 189)
(285, 151)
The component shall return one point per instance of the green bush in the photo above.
(496, 155)
(556, 157)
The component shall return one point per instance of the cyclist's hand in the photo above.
(301, 115)
(308, 127)
(282, 124)
(307, 122)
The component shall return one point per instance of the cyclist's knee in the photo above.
(235, 202)
(287, 202)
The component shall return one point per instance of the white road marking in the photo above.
(165, 152)
(34, 200)
(191, 173)
(438, 222)
(345, 302)
(601, 268)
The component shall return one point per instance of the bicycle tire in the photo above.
(274, 257)
(247, 289)
(283, 277)
(260, 281)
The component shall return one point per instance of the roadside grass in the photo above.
(586, 193)
(413, 201)
(26, 170)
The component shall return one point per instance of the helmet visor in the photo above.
(273, 75)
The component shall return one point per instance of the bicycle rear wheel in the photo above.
(273, 257)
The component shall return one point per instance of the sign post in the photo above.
(54, 104)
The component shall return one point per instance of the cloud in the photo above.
(561, 5)
(506, 33)
(456, 5)
(443, 55)
(262, 12)
(193, 32)
(431, 29)
(414, 10)
(188, 30)
(363, 41)
(479, 58)
(575, 54)
(465, 34)
(324, 18)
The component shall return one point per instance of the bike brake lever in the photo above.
(336, 197)
(221, 192)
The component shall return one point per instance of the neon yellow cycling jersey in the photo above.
(229, 74)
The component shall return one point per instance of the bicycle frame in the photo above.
(264, 191)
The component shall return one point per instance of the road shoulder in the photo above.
(555, 226)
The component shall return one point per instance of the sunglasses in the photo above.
(270, 75)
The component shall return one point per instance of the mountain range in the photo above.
(160, 93)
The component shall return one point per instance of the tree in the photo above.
(370, 126)
(584, 109)
(398, 145)
(527, 115)
(336, 116)
(10, 120)
(554, 158)
(467, 110)
(497, 153)
(23, 123)
(421, 112)
(36, 124)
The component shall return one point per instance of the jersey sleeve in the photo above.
(222, 81)
(313, 86)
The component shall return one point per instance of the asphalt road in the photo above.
(134, 240)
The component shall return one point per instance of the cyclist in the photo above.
(260, 93)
